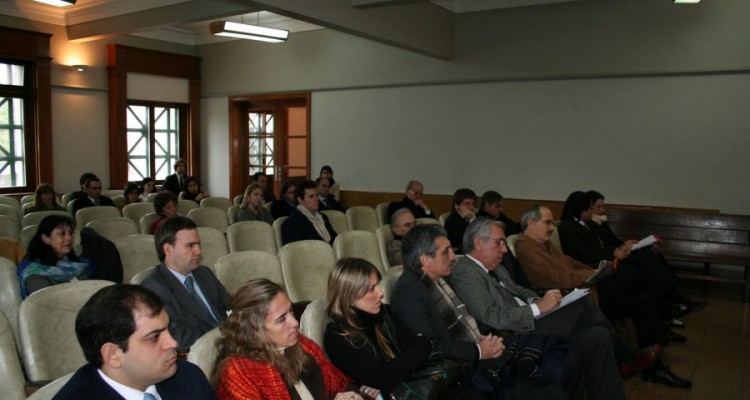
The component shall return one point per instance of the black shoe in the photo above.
(696, 306)
(675, 337)
(666, 377)
(674, 322)
(679, 310)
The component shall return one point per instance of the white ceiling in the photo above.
(196, 32)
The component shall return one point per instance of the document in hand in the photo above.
(569, 298)
(605, 269)
(645, 242)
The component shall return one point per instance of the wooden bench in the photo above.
(705, 238)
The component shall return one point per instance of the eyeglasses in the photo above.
(413, 193)
(408, 224)
(498, 242)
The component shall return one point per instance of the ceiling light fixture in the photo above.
(58, 3)
(245, 31)
(687, 1)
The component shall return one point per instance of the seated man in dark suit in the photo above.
(82, 183)
(93, 196)
(401, 223)
(327, 200)
(499, 304)
(123, 332)
(413, 201)
(461, 216)
(306, 222)
(175, 183)
(194, 299)
(491, 206)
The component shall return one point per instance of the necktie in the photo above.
(96, 201)
(494, 276)
(148, 396)
(190, 285)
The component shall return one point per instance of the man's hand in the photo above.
(491, 346)
(466, 214)
(422, 204)
(549, 302)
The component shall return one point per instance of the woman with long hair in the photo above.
(50, 258)
(45, 199)
(146, 187)
(193, 190)
(364, 339)
(251, 208)
(261, 354)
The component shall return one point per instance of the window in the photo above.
(260, 141)
(153, 139)
(16, 96)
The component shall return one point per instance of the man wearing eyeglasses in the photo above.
(401, 223)
(499, 304)
(413, 201)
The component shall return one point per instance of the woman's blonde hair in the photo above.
(349, 281)
(246, 197)
(243, 332)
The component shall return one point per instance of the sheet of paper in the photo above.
(645, 242)
(569, 298)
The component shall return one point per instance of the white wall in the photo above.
(678, 141)
(215, 146)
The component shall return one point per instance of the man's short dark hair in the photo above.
(92, 178)
(463, 194)
(167, 232)
(420, 241)
(179, 161)
(254, 177)
(162, 199)
(107, 317)
(299, 190)
(490, 197)
(85, 176)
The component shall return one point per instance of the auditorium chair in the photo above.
(150, 198)
(443, 217)
(112, 193)
(427, 220)
(384, 235)
(235, 269)
(362, 218)
(9, 226)
(115, 227)
(11, 201)
(48, 391)
(11, 212)
(46, 321)
(511, 241)
(359, 244)
(12, 381)
(185, 206)
(210, 217)
(389, 281)
(222, 203)
(146, 222)
(305, 266)
(139, 277)
(213, 245)
(313, 321)
(338, 220)
(88, 214)
(137, 253)
(277, 231)
(27, 233)
(34, 218)
(232, 213)
(251, 235)
(203, 352)
(136, 211)
(10, 296)
(381, 210)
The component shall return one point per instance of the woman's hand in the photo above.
(348, 396)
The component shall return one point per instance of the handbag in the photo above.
(430, 382)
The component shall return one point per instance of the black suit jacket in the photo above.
(412, 302)
(85, 202)
(187, 383)
(282, 208)
(187, 320)
(416, 210)
(582, 244)
(297, 227)
(173, 184)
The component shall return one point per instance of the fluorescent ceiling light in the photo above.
(687, 1)
(58, 3)
(244, 31)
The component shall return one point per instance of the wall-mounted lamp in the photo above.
(58, 3)
(79, 68)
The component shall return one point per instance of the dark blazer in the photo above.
(297, 227)
(173, 184)
(282, 208)
(582, 244)
(456, 225)
(411, 301)
(416, 210)
(187, 320)
(331, 204)
(188, 382)
(85, 202)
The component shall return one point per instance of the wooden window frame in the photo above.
(32, 49)
(125, 59)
